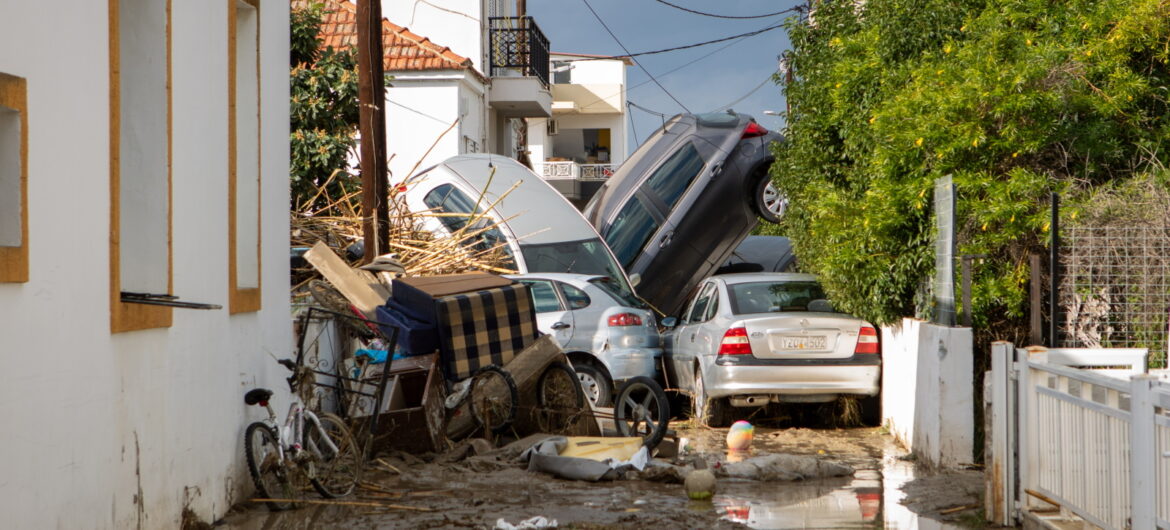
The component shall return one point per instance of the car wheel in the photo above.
(707, 411)
(770, 203)
(598, 390)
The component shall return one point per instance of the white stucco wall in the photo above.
(123, 430)
(457, 24)
(927, 393)
(421, 107)
(588, 72)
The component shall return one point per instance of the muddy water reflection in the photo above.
(870, 499)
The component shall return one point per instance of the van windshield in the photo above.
(588, 256)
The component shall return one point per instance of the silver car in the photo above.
(609, 336)
(746, 340)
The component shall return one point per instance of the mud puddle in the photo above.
(884, 492)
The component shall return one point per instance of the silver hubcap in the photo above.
(590, 387)
(773, 200)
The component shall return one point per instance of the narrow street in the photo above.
(886, 491)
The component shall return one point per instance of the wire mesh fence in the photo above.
(1115, 288)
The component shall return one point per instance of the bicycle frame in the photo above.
(292, 434)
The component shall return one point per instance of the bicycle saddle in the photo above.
(257, 395)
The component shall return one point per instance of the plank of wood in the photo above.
(360, 287)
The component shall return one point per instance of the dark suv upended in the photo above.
(677, 208)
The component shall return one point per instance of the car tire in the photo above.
(595, 384)
(769, 201)
(707, 411)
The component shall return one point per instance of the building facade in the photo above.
(143, 161)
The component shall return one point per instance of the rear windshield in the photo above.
(614, 289)
(772, 297)
(587, 256)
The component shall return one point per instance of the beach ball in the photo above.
(739, 436)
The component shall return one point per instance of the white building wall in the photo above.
(458, 24)
(123, 430)
(588, 72)
(420, 109)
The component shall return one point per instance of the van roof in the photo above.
(527, 209)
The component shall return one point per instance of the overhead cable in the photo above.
(745, 96)
(623, 46)
(688, 10)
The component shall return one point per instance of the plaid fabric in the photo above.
(484, 327)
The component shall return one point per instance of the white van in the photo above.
(543, 231)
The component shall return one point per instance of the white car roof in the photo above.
(527, 209)
(750, 277)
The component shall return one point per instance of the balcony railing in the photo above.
(518, 44)
(573, 170)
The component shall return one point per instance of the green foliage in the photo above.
(323, 113)
(1013, 98)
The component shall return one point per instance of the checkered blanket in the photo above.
(484, 327)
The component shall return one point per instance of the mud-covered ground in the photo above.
(474, 492)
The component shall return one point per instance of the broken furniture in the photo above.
(413, 416)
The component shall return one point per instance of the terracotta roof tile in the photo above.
(402, 49)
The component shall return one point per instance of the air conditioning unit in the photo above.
(553, 127)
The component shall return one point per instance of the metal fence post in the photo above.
(1143, 456)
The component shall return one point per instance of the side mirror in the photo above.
(635, 279)
(669, 322)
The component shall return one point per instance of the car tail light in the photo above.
(735, 342)
(625, 319)
(867, 340)
(754, 130)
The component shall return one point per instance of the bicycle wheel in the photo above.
(335, 473)
(559, 398)
(641, 410)
(268, 471)
(493, 398)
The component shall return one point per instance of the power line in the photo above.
(697, 44)
(623, 46)
(745, 96)
(632, 126)
(688, 10)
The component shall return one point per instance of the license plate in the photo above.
(802, 343)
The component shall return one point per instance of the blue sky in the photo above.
(710, 83)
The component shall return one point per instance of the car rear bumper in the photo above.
(626, 363)
(726, 381)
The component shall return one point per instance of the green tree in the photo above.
(323, 113)
(1013, 98)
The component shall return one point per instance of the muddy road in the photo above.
(885, 491)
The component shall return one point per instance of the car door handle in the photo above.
(666, 240)
(560, 325)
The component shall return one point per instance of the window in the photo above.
(13, 179)
(577, 298)
(699, 309)
(544, 297)
(447, 199)
(587, 256)
(140, 161)
(562, 74)
(243, 156)
(765, 297)
(630, 231)
(614, 290)
(673, 177)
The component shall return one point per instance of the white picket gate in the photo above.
(1085, 429)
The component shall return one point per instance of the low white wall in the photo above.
(927, 393)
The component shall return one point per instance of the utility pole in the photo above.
(372, 124)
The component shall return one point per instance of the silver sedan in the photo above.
(746, 340)
(608, 335)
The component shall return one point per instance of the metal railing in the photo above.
(573, 170)
(1085, 429)
(517, 44)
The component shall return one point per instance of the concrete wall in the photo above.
(422, 106)
(927, 394)
(104, 430)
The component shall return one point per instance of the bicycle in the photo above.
(308, 446)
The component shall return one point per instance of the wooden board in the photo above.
(360, 287)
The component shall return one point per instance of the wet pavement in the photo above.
(470, 495)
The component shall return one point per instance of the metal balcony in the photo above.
(518, 47)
